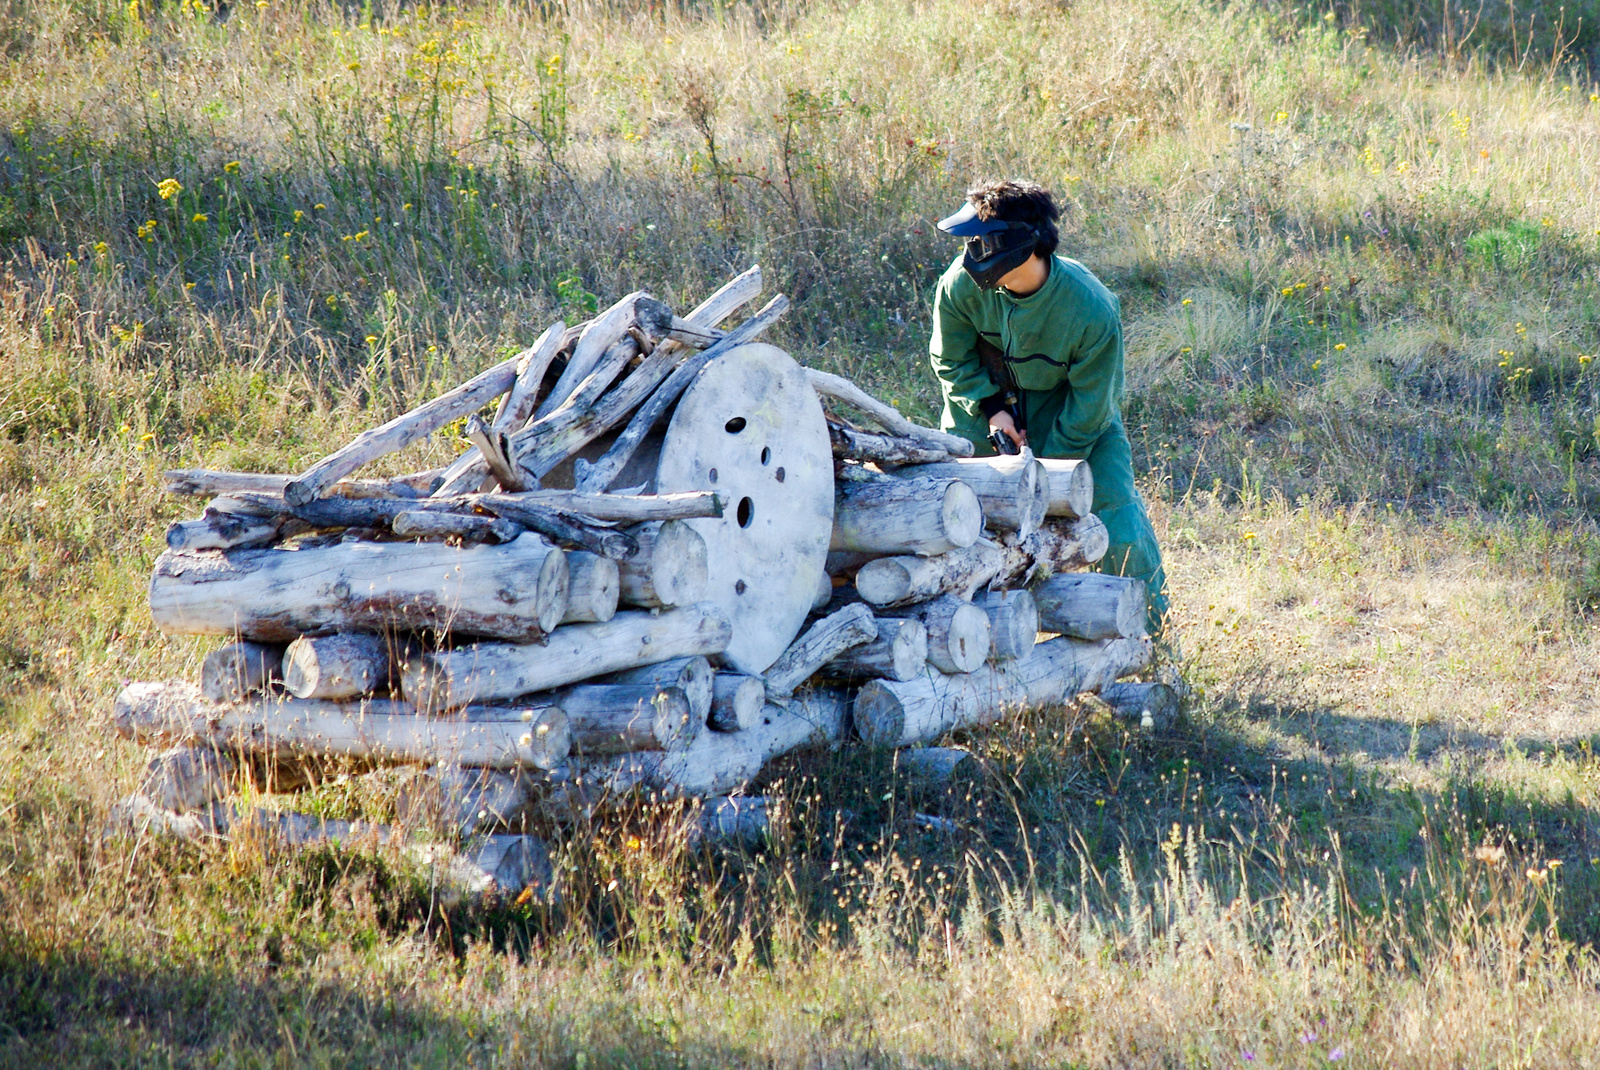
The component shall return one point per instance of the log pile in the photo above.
(671, 555)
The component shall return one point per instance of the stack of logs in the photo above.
(540, 644)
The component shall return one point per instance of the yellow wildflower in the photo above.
(169, 188)
(1339, 348)
(231, 167)
(199, 217)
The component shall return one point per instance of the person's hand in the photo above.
(1002, 421)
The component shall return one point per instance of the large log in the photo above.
(342, 666)
(887, 416)
(1092, 605)
(491, 671)
(593, 590)
(239, 669)
(377, 730)
(515, 591)
(899, 713)
(670, 568)
(848, 443)
(219, 529)
(958, 632)
(736, 701)
(617, 718)
(1054, 548)
(206, 483)
(905, 516)
(899, 653)
(820, 644)
(736, 820)
(1152, 705)
(402, 431)
(1014, 490)
(906, 580)
(1071, 487)
(454, 800)
(693, 676)
(1013, 622)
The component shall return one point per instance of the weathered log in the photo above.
(958, 632)
(469, 527)
(545, 444)
(1152, 705)
(733, 820)
(938, 764)
(495, 449)
(821, 643)
(899, 713)
(899, 653)
(454, 800)
(592, 592)
(824, 591)
(906, 580)
(1092, 605)
(736, 701)
(202, 482)
(240, 669)
(604, 331)
(1014, 490)
(618, 718)
(1013, 622)
(598, 476)
(489, 671)
(520, 509)
(843, 564)
(618, 508)
(343, 666)
(1071, 487)
(402, 431)
(378, 730)
(905, 516)
(562, 527)
(515, 591)
(187, 778)
(694, 676)
(670, 568)
(848, 443)
(138, 815)
(517, 406)
(1053, 549)
(222, 530)
(887, 416)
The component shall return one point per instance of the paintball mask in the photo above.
(995, 247)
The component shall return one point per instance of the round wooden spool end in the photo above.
(751, 429)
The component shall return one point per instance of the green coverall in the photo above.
(1063, 343)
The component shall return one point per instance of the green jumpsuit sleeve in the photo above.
(953, 348)
(1094, 395)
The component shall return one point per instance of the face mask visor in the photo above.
(991, 257)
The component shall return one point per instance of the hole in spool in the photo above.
(746, 512)
(766, 455)
(778, 475)
(734, 426)
(713, 475)
(738, 587)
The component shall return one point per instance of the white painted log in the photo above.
(1092, 605)
(905, 516)
(1152, 705)
(939, 764)
(515, 591)
(821, 643)
(206, 483)
(593, 590)
(733, 821)
(604, 331)
(693, 675)
(848, 443)
(906, 580)
(454, 800)
(402, 431)
(221, 530)
(469, 527)
(186, 778)
(736, 701)
(887, 416)
(618, 718)
(899, 713)
(240, 669)
(899, 653)
(1014, 490)
(670, 568)
(958, 632)
(1071, 487)
(501, 671)
(378, 730)
(1054, 548)
(1013, 622)
(342, 666)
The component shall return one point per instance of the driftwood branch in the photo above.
(842, 389)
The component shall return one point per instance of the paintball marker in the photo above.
(994, 363)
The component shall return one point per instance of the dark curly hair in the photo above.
(1020, 201)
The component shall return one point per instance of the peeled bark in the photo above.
(821, 643)
(958, 633)
(669, 569)
(377, 730)
(486, 672)
(909, 516)
(736, 701)
(1013, 622)
(842, 389)
(593, 590)
(1091, 605)
(900, 713)
(899, 653)
(618, 718)
(693, 675)
(515, 591)
(240, 669)
(342, 666)
(1014, 490)
(907, 580)
(1071, 488)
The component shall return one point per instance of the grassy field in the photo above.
(1358, 250)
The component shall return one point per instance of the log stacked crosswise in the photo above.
(543, 644)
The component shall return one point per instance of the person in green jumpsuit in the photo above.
(1010, 304)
